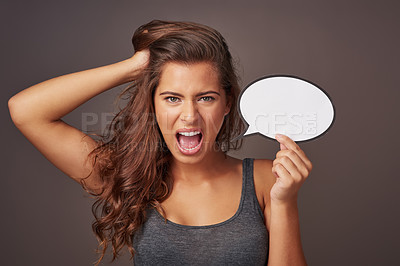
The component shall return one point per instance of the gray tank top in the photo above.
(240, 240)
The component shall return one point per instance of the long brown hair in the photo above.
(132, 158)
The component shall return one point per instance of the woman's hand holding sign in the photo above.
(291, 168)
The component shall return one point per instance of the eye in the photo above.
(207, 98)
(172, 99)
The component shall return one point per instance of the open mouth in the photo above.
(189, 142)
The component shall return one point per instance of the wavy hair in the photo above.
(132, 158)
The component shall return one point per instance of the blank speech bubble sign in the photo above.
(286, 105)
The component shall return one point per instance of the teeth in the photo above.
(189, 134)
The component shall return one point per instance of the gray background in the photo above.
(349, 207)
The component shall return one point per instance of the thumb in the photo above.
(283, 147)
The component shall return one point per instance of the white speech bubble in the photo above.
(286, 105)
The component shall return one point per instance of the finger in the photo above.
(283, 175)
(291, 145)
(283, 147)
(288, 142)
(297, 161)
(291, 168)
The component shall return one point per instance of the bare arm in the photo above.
(285, 241)
(289, 170)
(37, 112)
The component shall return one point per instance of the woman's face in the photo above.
(190, 106)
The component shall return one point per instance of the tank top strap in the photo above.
(250, 198)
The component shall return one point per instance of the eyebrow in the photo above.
(197, 95)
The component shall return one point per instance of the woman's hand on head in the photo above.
(139, 61)
(291, 168)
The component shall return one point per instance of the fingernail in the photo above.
(278, 136)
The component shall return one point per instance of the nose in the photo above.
(189, 114)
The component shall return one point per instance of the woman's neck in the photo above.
(200, 172)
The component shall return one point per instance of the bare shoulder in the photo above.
(264, 179)
(263, 176)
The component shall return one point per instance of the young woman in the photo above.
(165, 187)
